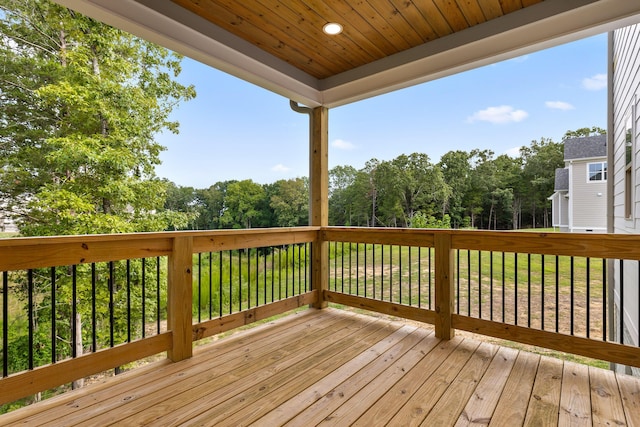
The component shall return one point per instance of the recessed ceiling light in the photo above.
(332, 28)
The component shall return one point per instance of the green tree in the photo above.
(456, 170)
(540, 161)
(211, 205)
(243, 205)
(341, 198)
(289, 201)
(594, 130)
(78, 127)
(184, 200)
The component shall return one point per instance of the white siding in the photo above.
(626, 94)
(588, 199)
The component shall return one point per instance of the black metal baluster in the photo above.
(53, 315)
(515, 281)
(5, 324)
(94, 338)
(350, 267)
(479, 284)
(458, 281)
(528, 290)
(557, 293)
(128, 300)
(399, 274)
(468, 282)
(390, 273)
(239, 280)
(230, 282)
(199, 286)
(30, 306)
(357, 269)
(335, 266)
(503, 287)
(280, 272)
(74, 310)
(143, 292)
(604, 299)
(429, 278)
(542, 261)
(248, 277)
(621, 301)
(572, 296)
(419, 276)
(382, 273)
(210, 285)
(158, 299)
(588, 302)
(409, 260)
(220, 277)
(342, 271)
(111, 286)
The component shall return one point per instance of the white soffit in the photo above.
(543, 25)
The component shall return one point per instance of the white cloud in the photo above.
(280, 168)
(341, 144)
(498, 115)
(513, 152)
(559, 105)
(597, 82)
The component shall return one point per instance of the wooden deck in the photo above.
(338, 368)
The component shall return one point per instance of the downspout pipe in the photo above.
(308, 111)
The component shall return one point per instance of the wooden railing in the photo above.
(160, 292)
(114, 299)
(551, 290)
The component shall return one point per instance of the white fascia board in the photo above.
(166, 24)
(546, 24)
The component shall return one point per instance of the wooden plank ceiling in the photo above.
(373, 29)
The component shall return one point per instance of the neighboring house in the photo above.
(579, 203)
(624, 199)
(7, 225)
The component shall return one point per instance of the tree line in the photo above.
(464, 189)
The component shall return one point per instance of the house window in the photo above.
(597, 172)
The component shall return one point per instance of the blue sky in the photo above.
(235, 130)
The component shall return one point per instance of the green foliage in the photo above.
(420, 220)
(78, 128)
(226, 282)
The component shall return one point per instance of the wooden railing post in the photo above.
(444, 285)
(179, 294)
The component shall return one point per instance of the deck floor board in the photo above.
(332, 367)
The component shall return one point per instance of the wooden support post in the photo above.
(319, 198)
(179, 294)
(444, 286)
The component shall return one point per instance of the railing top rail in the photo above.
(37, 252)
(612, 246)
